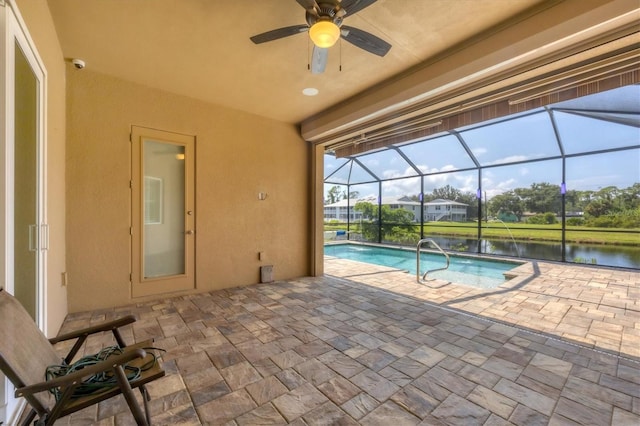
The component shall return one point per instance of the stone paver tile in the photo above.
(553, 365)
(525, 396)
(360, 405)
(375, 385)
(87, 416)
(225, 355)
(499, 333)
(628, 372)
(313, 349)
(427, 356)
(226, 408)
(314, 371)
(266, 367)
(492, 401)
(623, 386)
(356, 350)
(322, 332)
(167, 385)
(450, 349)
(431, 388)
(458, 411)
(515, 354)
(111, 407)
(538, 386)
(399, 347)
(210, 392)
(503, 368)
(341, 343)
(288, 342)
(184, 415)
(376, 359)
(202, 378)
(329, 414)
(495, 420)
(169, 402)
(341, 364)
(267, 389)
(389, 413)
(450, 381)
(397, 377)
(290, 378)
(299, 401)
(624, 417)
(254, 352)
(263, 415)
(581, 413)
(415, 401)
(240, 375)
(525, 416)
(193, 363)
(367, 340)
(478, 375)
(287, 359)
(339, 390)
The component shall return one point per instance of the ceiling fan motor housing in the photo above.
(328, 10)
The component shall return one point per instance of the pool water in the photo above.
(476, 272)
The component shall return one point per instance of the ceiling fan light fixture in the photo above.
(324, 33)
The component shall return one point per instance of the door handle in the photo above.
(33, 237)
(189, 232)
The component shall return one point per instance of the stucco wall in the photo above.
(238, 155)
(38, 19)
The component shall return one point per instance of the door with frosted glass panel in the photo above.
(163, 217)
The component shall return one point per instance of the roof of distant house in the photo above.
(404, 200)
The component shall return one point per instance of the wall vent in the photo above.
(266, 274)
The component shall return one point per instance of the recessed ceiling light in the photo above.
(310, 91)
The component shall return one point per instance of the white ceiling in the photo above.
(201, 48)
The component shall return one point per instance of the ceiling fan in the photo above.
(324, 24)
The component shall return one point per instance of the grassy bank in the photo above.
(522, 232)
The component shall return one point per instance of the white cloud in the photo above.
(480, 151)
(510, 159)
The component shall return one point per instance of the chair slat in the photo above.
(23, 346)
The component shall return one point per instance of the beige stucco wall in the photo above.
(238, 155)
(38, 19)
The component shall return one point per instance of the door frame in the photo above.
(141, 286)
(14, 30)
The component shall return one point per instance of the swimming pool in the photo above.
(476, 272)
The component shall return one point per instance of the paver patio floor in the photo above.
(558, 344)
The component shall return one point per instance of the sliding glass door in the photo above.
(22, 216)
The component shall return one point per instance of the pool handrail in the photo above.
(420, 243)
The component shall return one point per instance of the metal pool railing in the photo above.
(424, 276)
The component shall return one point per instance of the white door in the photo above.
(163, 215)
(23, 256)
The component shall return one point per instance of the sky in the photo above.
(529, 136)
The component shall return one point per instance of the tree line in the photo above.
(607, 207)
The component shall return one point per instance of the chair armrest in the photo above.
(106, 326)
(77, 376)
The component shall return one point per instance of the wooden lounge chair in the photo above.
(25, 354)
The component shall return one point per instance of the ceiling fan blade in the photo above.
(279, 33)
(365, 40)
(309, 5)
(319, 59)
(354, 6)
